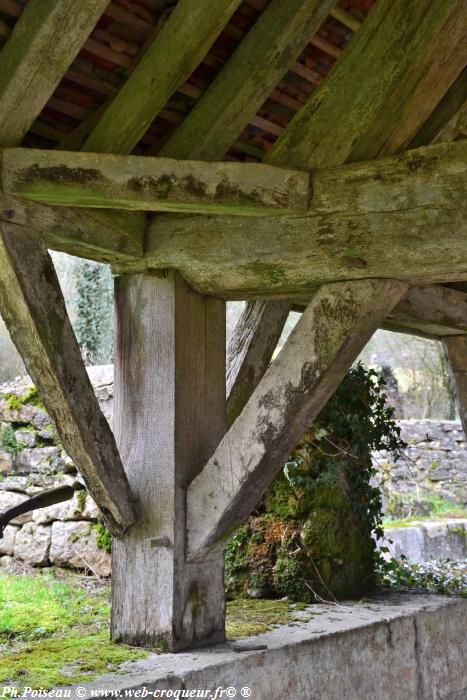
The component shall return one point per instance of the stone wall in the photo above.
(32, 460)
(434, 466)
(67, 534)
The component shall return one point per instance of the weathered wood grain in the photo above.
(43, 44)
(415, 50)
(262, 58)
(436, 311)
(436, 127)
(176, 51)
(338, 322)
(431, 312)
(33, 309)
(169, 416)
(398, 217)
(455, 348)
(112, 238)
(250, 350)
(153, 184)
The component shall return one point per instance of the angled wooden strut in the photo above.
(338, 322)
(250, 350)
(455, 348)
(33, 309)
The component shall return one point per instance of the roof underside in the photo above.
(123, 34)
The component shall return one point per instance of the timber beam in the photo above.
(43, 44)
(400, 217)
(432, 312)
(153, 184)
(336, 325)
(250, 350)
(33, 308)
(104, 236)
(455, 349)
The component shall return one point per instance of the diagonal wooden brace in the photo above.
(455, 349)
(250, 350)
(336, 325)
(33, 308)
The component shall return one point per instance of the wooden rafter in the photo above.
(155, 184)
(33, 308)
(338, 322)
(401, 216)
(248, 78)
(44, 42)
(415, 50)
(453, 104)
(176, 51)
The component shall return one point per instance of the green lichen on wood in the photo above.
(310, 537)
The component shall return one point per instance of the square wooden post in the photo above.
(169, 417)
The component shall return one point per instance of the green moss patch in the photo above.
(246, 617)
(55, 632)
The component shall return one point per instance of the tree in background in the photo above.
(93, 305)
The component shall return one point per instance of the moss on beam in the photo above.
(153, 184)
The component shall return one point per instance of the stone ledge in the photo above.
(425, 541)
(395, 646)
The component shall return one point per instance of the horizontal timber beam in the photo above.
(336, 325)
(155, 184)
(105, 236)
(435, 311)
(402, 216)
(432, 312)
(33, 308)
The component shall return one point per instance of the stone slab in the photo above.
(397, 646)
(426, 541)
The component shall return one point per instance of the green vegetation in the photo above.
(247, 617)
(9, 442)
(94, 311)
(310, 537)
(31, 397)
(55, 632)
(404, 509)
(441, 576)
(104, 538)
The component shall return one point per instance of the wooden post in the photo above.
(455, 348)
(169, 417)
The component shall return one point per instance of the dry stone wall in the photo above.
(32, 460)
(433, 467)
